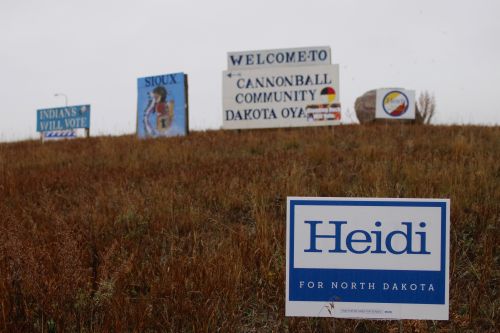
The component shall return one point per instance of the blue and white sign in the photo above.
(368, 258)
(162, 105)
(64, 118)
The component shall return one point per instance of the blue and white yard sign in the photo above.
(64, 118)
(368, 258)
(162, 105)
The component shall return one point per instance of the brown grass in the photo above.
(188, 234)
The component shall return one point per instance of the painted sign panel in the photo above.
(162, 105)
(281, 97)
(368, 258)
(302, 56)
(59, 135)
(395, 103)
(64, 118)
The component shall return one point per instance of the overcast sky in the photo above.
(94, 50)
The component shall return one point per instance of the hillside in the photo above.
(188, 234)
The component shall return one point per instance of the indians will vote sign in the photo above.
(281, 97)
(162, 105)
(395, 103)
(64, 118)
(279, 58)
(368, 258)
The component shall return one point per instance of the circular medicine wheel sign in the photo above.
(395, 103)
(328, 94)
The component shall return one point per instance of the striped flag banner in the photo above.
(59, 135)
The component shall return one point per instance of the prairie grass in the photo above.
(116, 234)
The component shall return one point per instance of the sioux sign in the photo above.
(368, 258)
(395, 103)
(281, 57)
(64, 118)
(162, 105)
(281, 97)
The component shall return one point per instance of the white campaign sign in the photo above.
(302, 56)
(281, 97)
(395, 103)
(368, 258)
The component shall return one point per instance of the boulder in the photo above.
(365, 107)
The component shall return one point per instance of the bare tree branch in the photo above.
(426, 108)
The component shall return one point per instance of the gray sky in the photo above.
(94, 50)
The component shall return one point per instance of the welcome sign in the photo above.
(281, 97)
(300, 56)
(64, 118)
(368, 258)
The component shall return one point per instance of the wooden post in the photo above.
(87, 132)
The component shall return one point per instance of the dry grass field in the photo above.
(188, 234)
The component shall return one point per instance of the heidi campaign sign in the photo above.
(302, 56)
(395, 103)
(64, 118)
(281, 97)
(162, 106)
(368, 258)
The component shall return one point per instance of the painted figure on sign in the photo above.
(160, 110)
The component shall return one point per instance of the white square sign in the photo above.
(395, 103)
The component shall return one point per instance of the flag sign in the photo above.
(64, 118)
(162, 106)
(279, 58)
(368, 258)
(395, 103)
(59, 135)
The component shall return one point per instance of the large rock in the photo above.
(365, 107)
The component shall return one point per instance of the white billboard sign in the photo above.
(368, 258)
(395, 103)
(281, 97)
(303, 56)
